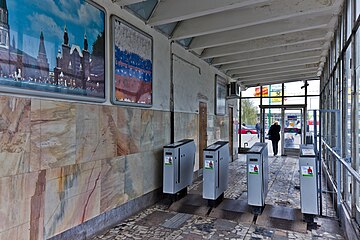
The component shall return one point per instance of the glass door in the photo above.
(268, 116)
(293, 131)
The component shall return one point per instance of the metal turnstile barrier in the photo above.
(257, 174)
(215, 174)
(179, 161)
(309, 199)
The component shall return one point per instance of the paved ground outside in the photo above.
(180, 221)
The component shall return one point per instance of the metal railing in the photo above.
(340, 162)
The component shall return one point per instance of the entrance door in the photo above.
(231, 133)
(290, 118)
(202, 132)
(293, 131)
(268, 117)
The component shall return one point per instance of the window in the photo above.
(313, 87)
(349, 21)
(251, 92)
(357, 69)
(294, 89)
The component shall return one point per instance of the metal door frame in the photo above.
(301, 107)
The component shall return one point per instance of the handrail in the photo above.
(343, 162)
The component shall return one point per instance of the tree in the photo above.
(248, 112)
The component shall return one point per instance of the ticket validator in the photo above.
(215, 174)
(257, 175)
(178, 166)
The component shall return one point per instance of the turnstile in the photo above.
(179, 161)
(216, 167)
(309, 200)
(257, 174)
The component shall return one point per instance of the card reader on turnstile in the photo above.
(179, 161)
(257, 174)
(309, 199)
(216, 167)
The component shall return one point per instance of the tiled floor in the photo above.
(181, 221)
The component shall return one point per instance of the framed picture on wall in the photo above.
(220, 95)
(54, 50)
(132, 65)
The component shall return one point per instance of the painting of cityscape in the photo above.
(132, 65)
(52, 47)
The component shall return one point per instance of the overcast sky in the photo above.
(29, 18)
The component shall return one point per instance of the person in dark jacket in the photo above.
(274, 136)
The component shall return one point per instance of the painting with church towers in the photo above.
(53, 48)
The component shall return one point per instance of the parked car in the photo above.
(248, 130)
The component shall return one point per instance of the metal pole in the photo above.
(318, 160)
(338, 166)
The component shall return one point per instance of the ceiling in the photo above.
(255, 42)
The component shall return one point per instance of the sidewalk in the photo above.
(161, 222)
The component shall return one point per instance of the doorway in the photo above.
(291, 119)
(231, 133)
(202, 132)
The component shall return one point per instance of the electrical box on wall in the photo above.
(233, 90)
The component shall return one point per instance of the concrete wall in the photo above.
(63, 163)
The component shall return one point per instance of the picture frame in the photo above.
(53, 51)
(132, 65)
(220, 95)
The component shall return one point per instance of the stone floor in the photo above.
(161, 222)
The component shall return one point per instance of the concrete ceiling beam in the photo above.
(273, 10)
(303, 68)
(307, 63)
(296, 24)
(170, 11)
(277, 81)
(269, 52)
(265, 43)
(312, 71)
(270, 60)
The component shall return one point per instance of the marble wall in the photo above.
(63, 163)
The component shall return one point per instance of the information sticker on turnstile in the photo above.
(209, 164)
(307, 171)
(168, 159)
(253, 168)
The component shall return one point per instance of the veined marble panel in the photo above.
(112, 183)
(222, 123)
(108, 132)
(187, 127)
(72, 196)
(58, 134)
(147, 130)
(134, 176)
(88, 138)
(15, 199)
(161, 129)
(129, 127)
(14, 135)
(35, 139)
(11, 233)
(152, 170)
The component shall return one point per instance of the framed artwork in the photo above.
(132, 65)
(53, 49)
(220, 95)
